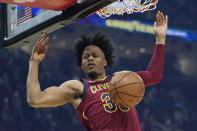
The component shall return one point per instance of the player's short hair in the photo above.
(101, 41)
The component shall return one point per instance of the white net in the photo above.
(23, 1)
(127, 6)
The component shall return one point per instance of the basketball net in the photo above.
(127, 6)
(119, 7)
(23, 1)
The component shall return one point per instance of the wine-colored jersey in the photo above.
(99, 113)
(96, 109)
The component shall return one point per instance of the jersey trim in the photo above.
(85, 89)
(84, 116)
(101, 79)
(106, 78)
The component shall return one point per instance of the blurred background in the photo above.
(168, 106)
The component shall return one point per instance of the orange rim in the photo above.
(134, 10)
(148, 6)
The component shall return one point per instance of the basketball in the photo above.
(126, 88)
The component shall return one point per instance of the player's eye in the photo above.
(85, 56)
(95, 55)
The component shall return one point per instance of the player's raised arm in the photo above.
(153, 74)
(52, 96)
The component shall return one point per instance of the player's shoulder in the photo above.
(74, 84)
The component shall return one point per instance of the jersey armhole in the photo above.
(85, 89)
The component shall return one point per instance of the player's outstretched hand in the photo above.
(160, 27)
(40, 49)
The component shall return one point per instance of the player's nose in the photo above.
(90, 58)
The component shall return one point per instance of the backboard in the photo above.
(21, 25)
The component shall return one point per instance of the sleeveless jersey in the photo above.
(99, 113)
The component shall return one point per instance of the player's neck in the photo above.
(96, 77)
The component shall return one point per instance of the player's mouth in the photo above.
(91, 65)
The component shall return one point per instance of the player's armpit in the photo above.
(56, 96)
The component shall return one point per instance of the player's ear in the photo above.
(105, 63)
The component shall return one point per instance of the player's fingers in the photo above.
(39, 42)
(163, 19)
(159, 13)
(166, 18)
(42, 35)
(46, 41)
(39, 47)
(160, 18)
(157, 19)
(36, 48)
(46, 49)
(42, 38)
(157, 16)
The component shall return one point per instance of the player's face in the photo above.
(93, 61)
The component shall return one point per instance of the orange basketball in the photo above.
(126, 88)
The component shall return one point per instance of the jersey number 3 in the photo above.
(110, 106)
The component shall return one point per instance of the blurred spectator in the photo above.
(6, 113)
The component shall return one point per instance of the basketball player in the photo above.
(90, 96)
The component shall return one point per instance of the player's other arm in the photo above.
(153, 74)
(52, 96)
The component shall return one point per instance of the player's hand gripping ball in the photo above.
(126, 88)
